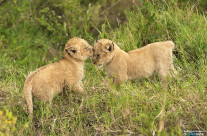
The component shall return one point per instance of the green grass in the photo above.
(137, 107)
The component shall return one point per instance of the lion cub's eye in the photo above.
(86, 48)
(74, 51)
(98, 55)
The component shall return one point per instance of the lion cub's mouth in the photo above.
(100, 66)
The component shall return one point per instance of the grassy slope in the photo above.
(137, 107)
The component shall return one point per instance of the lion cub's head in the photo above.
(103, 52)
(78, 49)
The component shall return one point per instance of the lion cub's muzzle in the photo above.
(94, 61)
(97, 64)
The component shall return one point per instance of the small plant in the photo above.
(7, 122)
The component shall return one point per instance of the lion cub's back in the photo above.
(46, 81)
(152, 49)
(142, 61)
(162, 50)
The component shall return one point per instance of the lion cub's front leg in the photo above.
(78, 87)
(120, 79)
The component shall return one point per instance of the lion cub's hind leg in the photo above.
(163, 71)
(163, 66)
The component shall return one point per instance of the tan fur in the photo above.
(136, 64)
(49, 80)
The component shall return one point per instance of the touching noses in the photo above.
(91, 52)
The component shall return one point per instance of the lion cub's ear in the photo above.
(109, 47)
(71, 51)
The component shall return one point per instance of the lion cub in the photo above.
(49, 80)
(136, 64)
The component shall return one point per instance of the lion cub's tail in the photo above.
(27, 90)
